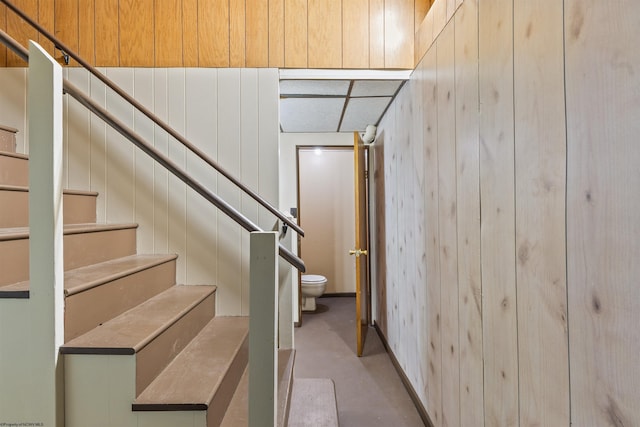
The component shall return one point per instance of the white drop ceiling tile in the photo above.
(362, 112)
(310, 114)
(314, 87)
(375, 87)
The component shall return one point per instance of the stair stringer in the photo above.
(100, 389)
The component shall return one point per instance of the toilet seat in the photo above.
(313, 279)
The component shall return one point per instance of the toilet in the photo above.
(313, 285)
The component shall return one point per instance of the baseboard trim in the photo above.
(341, 294)
(422, 411)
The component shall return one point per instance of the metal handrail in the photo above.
(137, 140)
(65, 49)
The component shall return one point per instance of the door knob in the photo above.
(357, 252)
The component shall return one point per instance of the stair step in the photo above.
(313, 403)
(84, 244)
(237, 414)
(204, 376)
(99, 292)
(79, 207)
(154, 331)
(8, 138)
(14, 169)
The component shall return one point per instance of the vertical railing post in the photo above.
(285, 296)
(46, 272)
(263, 329)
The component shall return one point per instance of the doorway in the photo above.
(326, 212)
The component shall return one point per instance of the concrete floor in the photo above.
(368, 389)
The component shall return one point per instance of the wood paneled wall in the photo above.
(517, 299)
(230, 114)
(226, 33)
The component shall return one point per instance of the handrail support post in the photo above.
(263, 329)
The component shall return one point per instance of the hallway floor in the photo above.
(368, 389)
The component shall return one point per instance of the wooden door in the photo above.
(361, 244)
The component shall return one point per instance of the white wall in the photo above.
(231, 114)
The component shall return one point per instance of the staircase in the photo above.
(140, 350)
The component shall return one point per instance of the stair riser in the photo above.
(88, 309)
(79, 250)
(152, 359)
(14, 171)
(14, 208)
(224, 394)
(99, 390)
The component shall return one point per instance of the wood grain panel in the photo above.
(21, 31)
(190, 43)
(439, 10)
(237, 33)
(107, 45)
(376, 34)
(497, 195)
(399, 34)
(424, 37)
(420, 9)
(447, 225)
(213, 37)
(136, 33)
(3, 27)
(540, 213)
(451, 8)
(468, 180)
(325, 33)
(419, 262)
(603, 224)
(431, 197)
(276, 33)
(355, 34)
(257, 33)
(86, 30)
(67, 24)
(168, 33)
(295, 33)
(46, 18)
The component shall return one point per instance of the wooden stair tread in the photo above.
(15, 155)
(87, 277)
(191, 380)
(16, 233)
(83, 278)
(18, 290)
(131, 331)
(8, 129)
